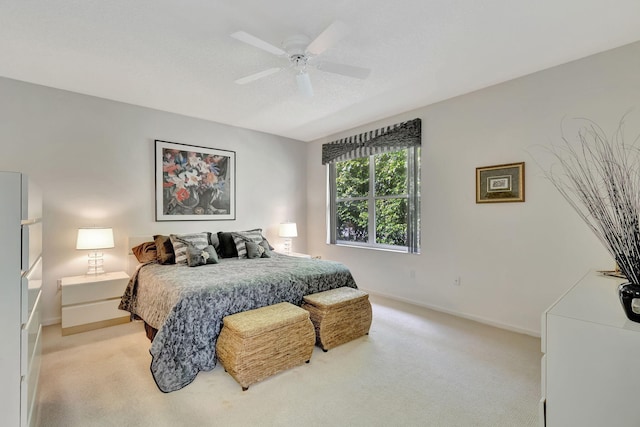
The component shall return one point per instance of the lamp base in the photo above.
(287, 246)
(96, 264)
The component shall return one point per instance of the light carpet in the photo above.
(417, 367)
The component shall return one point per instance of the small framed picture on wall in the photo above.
(500, 183)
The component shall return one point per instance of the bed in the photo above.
(186, 305)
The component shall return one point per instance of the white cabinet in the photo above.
(591, 351)
(300, 255)
(91, 302)
(20, 295)
(296, 254)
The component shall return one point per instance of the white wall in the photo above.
(93, 159)
(514, 259)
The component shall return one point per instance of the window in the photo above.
(375, 197)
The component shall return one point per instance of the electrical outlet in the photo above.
(456, 281)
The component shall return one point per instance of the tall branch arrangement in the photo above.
(600, 178)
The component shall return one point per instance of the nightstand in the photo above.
(297, 255)
(91, 302)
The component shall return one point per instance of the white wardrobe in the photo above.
(20, 292)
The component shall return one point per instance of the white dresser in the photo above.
(590, 374)
(20, 291)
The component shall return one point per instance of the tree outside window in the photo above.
(377, 200)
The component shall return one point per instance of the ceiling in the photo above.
(178, 56)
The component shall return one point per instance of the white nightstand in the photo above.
(91, 302)
(297, 254)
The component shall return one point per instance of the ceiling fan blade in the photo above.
(343, 69)
(330, 36)
(256, 76)
(304, 84)
(259, 43)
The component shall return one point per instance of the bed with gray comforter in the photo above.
(187, 304)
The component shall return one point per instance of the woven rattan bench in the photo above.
(338, 315)
(256, 344)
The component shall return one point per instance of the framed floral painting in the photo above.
(194, 183)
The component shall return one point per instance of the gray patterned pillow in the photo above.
(196, 257)
(240, 238)
(267, 247)
(257, 250)
(180, 242)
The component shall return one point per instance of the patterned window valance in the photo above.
(401, 135)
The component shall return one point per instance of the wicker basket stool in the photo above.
(339, 315)
(256, 344)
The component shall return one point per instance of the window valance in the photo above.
(398, 136)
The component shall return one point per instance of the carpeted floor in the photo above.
(417, 367)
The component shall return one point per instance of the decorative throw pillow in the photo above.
(266, 243)
(214, 241)
(227, 247)
(268, 248)
(145, 252)
(164, 249)
(196, 257)
(180, 242)
(256, 250)
(264, 239)
(242, 237)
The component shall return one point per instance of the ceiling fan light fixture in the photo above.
(304, 84)
(299, 62)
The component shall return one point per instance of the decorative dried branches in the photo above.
(600, 178)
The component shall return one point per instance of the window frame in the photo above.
(412, 196)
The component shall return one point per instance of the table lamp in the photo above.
(288, 230)
(94, 239)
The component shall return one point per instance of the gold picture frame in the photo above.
(500, 183)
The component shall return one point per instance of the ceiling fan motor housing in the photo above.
(296, 45)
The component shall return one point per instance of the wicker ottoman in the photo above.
(339, 315)
(256, 344)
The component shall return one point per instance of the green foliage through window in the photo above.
(372, 199)
(352, 178)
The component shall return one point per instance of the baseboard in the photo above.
(51, 321)
(95, 325)
(457, 313)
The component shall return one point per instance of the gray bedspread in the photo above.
(186, 304)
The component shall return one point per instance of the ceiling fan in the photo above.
(301, 53)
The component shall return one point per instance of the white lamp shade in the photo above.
(95, 238)
(288, 229)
